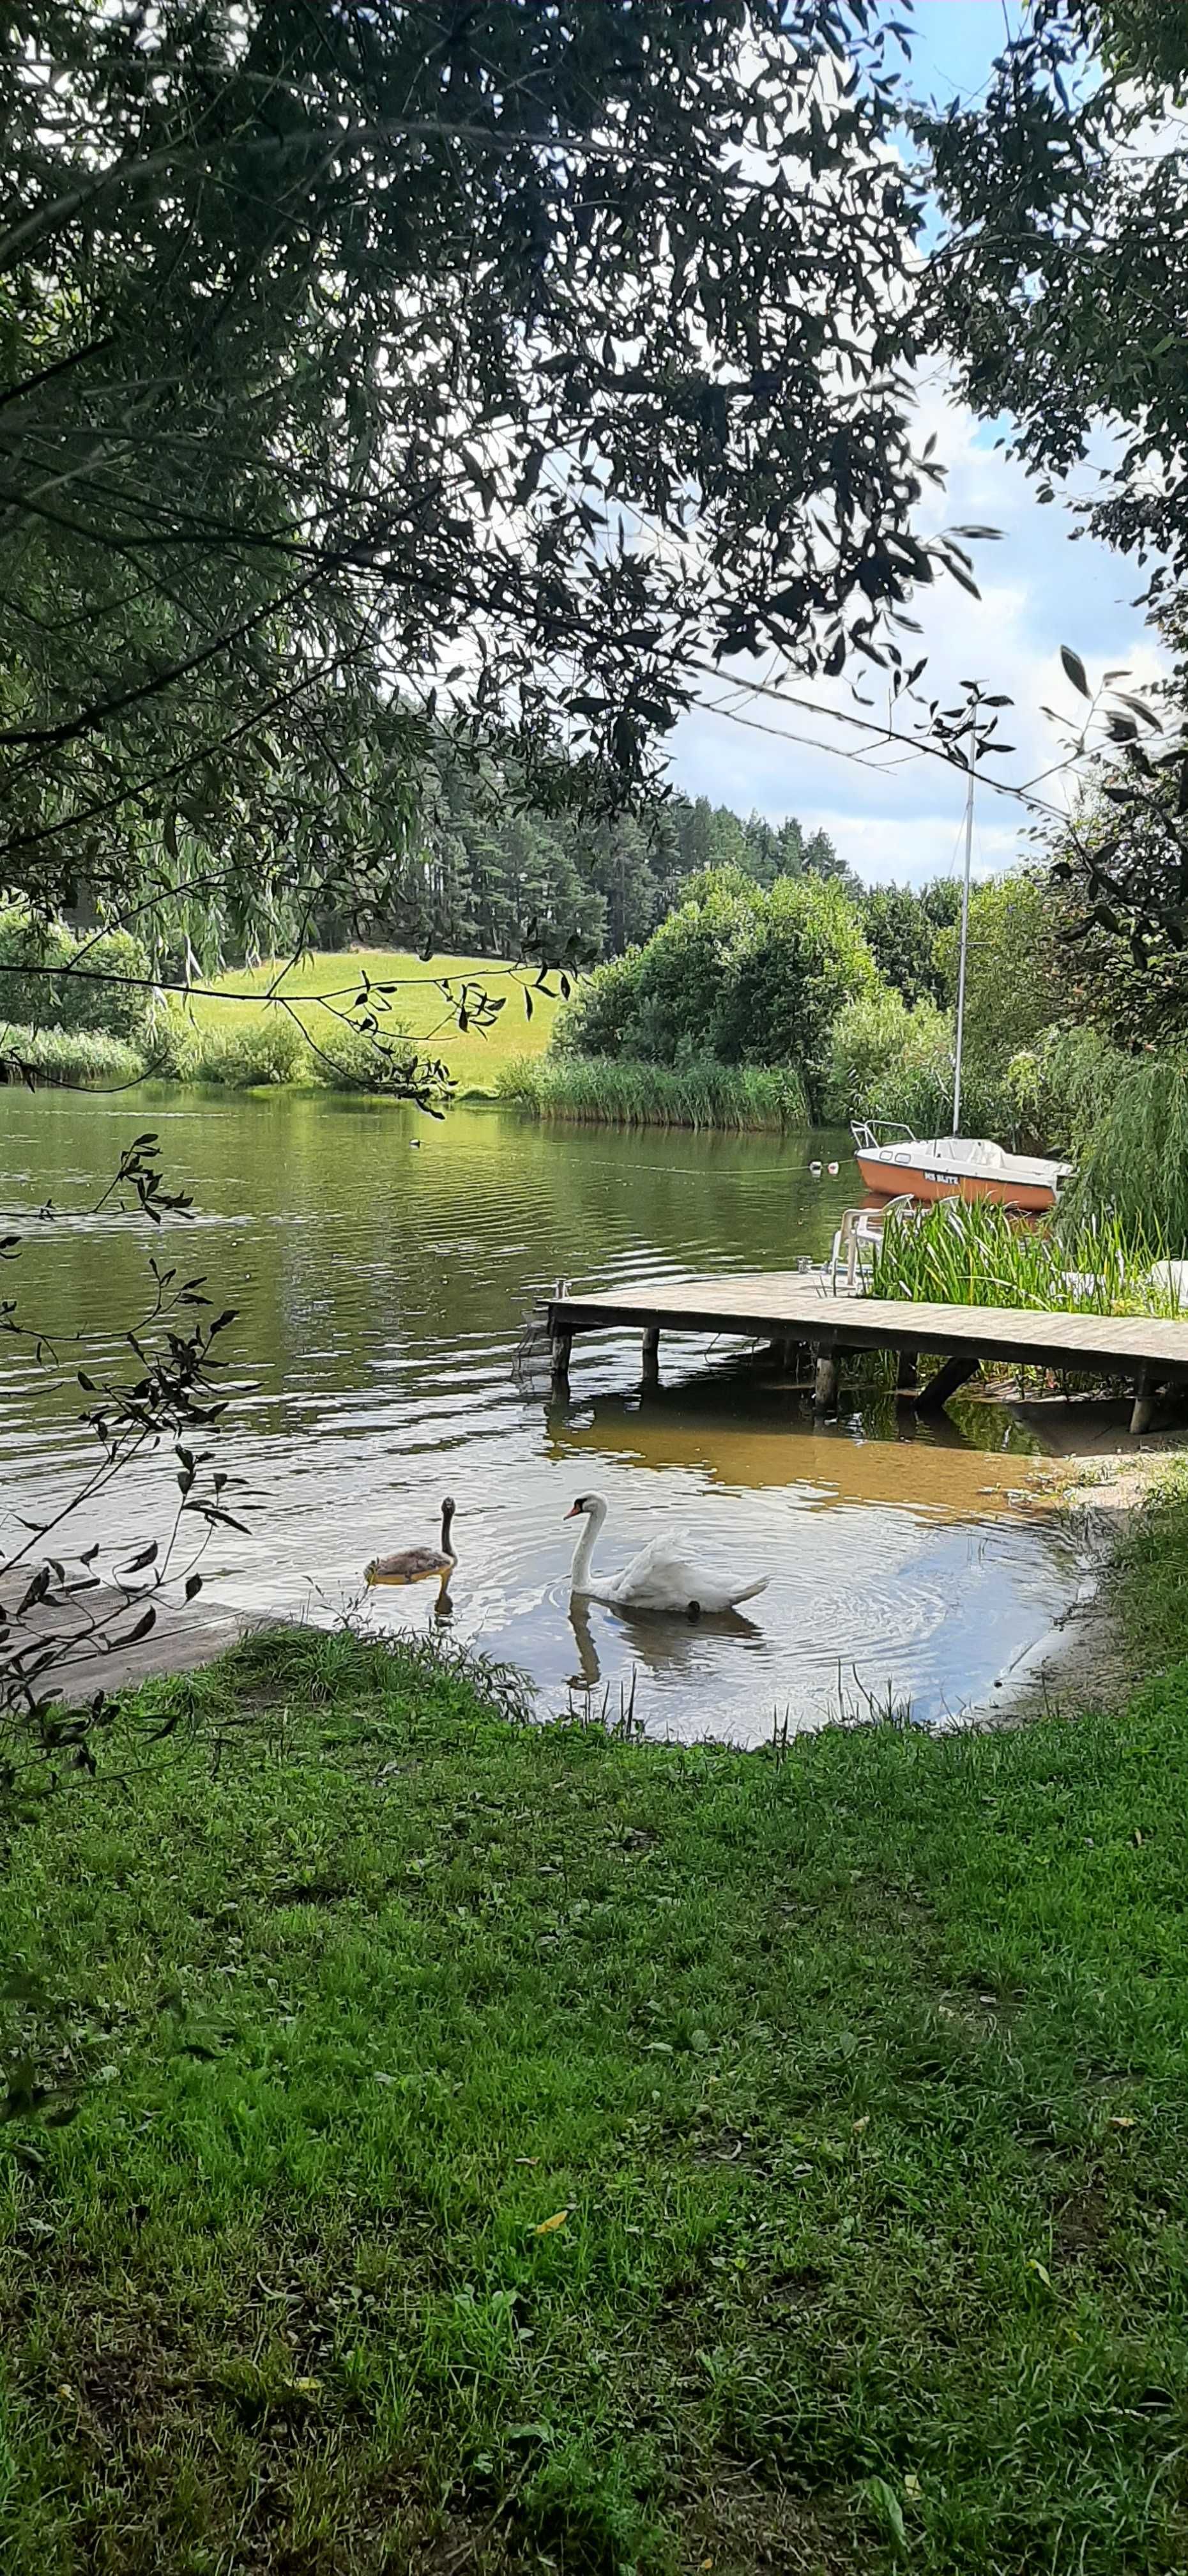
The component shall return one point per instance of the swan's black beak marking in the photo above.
(577, 1508)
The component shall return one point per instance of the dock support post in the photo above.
(945, 1381)
(560, 1347)
(907, 1374)
(651, 1355)
(825, 1384)
(780, 1352)
(1144, 1404)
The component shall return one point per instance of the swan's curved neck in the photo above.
(591, 1524)
(447, 1545)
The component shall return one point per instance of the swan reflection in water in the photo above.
(661, 1647)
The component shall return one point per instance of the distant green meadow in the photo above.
(418, 1006)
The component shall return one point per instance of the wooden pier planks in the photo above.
(783, 1306)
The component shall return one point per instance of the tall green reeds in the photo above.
(71, 1057)
(620, 1091)
(975, 1254)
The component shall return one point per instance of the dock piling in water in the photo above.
(1144, 1403)
(825, 1382)
(784, 1309)
(951, 1374)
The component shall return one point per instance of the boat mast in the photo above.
(969, 796)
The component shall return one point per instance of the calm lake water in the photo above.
(384, 1268)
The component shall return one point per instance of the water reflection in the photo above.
(730, 1433)
(383, 1297)
(662, 1646)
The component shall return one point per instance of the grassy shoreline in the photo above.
(235, 1037)
(858, 2075)
(416, 1004)
(618, 1092)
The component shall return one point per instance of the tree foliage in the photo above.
(1016, 980)
(902, 927)
(1059, 288)
(377, 368)
(739, 974)
(1060, 285)
(891, 1061)
(1117, 896)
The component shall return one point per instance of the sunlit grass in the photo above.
(510, 2148)
(474, 1056)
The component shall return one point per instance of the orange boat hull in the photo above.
(907, 1179)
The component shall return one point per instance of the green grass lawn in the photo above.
(500, 2148)
(474, 1057)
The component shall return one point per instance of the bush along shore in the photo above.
(262, 1027)
(438, 2141)
(263, 1055)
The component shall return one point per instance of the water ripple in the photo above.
(382, 1298)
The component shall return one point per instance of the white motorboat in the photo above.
(892, 1161)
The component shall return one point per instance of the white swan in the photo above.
(659, 1578)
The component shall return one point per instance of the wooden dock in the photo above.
(782, 1307)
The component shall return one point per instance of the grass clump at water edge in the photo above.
(974, 1253)
(618, 1091)
(511, 2147)
(74, 1058)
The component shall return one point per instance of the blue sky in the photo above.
(1042, 586)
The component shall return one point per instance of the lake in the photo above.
(385, 1266)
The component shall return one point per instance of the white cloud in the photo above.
(1042, 586)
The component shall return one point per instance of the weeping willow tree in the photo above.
(1133, 1150)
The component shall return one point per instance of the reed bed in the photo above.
(72, 1058)
(977, 1254)
(620, 1091)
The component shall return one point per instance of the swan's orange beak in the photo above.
(574, 1513)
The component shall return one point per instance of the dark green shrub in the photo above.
(737, 974)
(351, 1059)
(249, 1055)
(51, 979)
(119, 1007)
(28, 993)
